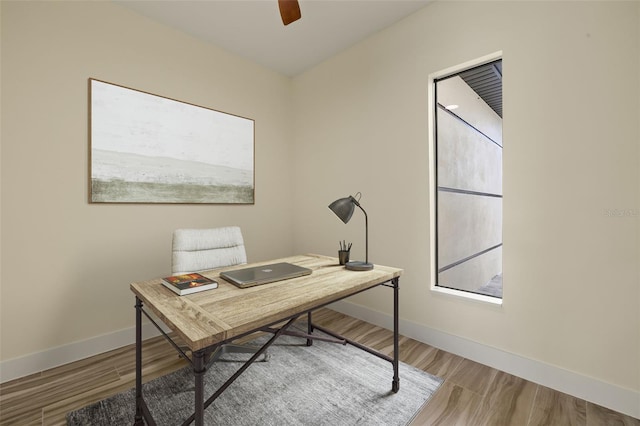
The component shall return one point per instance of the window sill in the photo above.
(467, 295)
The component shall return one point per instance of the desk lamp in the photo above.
(343, 208)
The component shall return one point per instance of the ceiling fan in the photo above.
(289, 11)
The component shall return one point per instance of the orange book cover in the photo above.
(189, 283)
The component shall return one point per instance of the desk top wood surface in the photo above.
(213, 316)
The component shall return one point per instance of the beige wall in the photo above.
(67, 264)
(571, 293)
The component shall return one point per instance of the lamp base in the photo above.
(359, 266)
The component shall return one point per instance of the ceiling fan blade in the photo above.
(289, 11)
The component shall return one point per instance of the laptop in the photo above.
(257, 275)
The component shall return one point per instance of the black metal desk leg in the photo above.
(199, 369)
(139, 416)
(395, 386)
(309, 328)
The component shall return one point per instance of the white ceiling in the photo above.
(253, 29)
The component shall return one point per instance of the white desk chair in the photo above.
(197, 250)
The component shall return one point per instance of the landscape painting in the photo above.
(146, 148)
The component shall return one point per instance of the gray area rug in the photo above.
(325, 384)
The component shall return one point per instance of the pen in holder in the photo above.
(343, 253)
(343, 256)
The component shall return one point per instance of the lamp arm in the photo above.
(366, 230)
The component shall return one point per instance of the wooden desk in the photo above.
(206, 320)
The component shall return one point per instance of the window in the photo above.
(467, 151)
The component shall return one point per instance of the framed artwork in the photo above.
(146, 148)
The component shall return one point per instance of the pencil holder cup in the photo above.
(343, 256)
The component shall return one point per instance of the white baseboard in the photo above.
(622, 400)
(616, 398)
(41, 361)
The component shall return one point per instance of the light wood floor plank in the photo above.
(21, 404)
(473, 376)
(556, 408)
(432, 360)
(598, 415)
(451, 405)
(20, 383)
(508, 401)
(55, 413)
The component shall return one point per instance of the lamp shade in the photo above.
(343, 208)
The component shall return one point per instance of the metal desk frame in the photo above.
(200, 359)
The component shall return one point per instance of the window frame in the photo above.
(433, 180)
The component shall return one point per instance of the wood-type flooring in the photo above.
(472, 394)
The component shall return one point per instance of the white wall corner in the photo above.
(625, 401)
